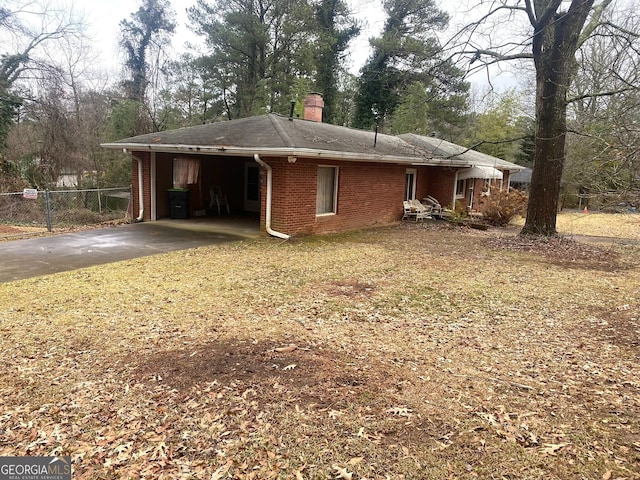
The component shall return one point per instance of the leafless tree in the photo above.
(551, 32)
(27, 27)
(603, 145)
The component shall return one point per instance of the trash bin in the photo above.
(179, 203)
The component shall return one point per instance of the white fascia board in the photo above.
(274, 152)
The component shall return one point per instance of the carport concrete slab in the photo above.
(58, 253)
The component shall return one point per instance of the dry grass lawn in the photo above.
(411, 352)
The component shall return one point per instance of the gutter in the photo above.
(140, 187)
(455, 187)
(285, 152)
(270, 231)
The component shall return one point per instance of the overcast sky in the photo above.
(104, 16)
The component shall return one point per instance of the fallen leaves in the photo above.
(287, 349)
(552, 448)
(424, 349)
(399, 411)
(562, 251)
(342, 473)
(511, 427)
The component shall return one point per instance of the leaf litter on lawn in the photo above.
(420, 352)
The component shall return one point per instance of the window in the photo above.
(486, 190)
(460, 188)
(410, 184)
(185, 172)
(327, 194)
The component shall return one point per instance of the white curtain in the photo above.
(325, 199)
(185, 171)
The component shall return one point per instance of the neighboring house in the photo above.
(521, 180)
(67, 180)
(302, 176)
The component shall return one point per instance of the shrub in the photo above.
(501, 207)
(78, 216)
(459, 210)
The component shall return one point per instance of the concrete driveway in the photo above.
(58, 253)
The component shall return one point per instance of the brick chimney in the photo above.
(313, 105)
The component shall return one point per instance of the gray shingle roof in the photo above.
(524, 176)
(274, 134)
(437, 147)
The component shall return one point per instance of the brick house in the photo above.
(301, 176)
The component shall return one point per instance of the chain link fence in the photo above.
(60, 209)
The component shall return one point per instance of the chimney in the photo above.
(313, 105)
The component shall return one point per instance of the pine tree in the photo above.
(407, 52)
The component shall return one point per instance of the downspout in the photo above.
(455, 188)
(270, 231)
(140, 192)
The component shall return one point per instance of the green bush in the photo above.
(459, 210)
(500, 207)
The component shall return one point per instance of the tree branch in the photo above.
(595, 21)
(496, 55)
(601, 94)
(485, 142)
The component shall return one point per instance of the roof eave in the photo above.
(281, 152)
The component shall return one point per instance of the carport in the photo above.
(192, 186)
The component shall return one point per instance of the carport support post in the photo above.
(47, 202)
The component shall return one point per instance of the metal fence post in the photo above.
(48, 204)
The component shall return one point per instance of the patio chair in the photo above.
(408, 211)
(436, 208)
(218, 198)
(421, 211)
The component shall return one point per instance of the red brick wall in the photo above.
(368, 194)
(505, 179)
(439, 182)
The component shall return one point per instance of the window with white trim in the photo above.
(327, 194)
(410, 184)
(460, 188)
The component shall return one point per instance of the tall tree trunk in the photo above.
(551, 112)
(555, 41)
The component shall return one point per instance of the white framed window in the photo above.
(410, 184)
(461, 188)
(327, 193)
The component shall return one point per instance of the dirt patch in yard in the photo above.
(233, 360)
(562, 251)
(11, 232)
(321, 377)
(620, 326)
(5, 229)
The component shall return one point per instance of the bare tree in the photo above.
(143, 38)
(603, 145)
(26, 28)
(555, 31)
